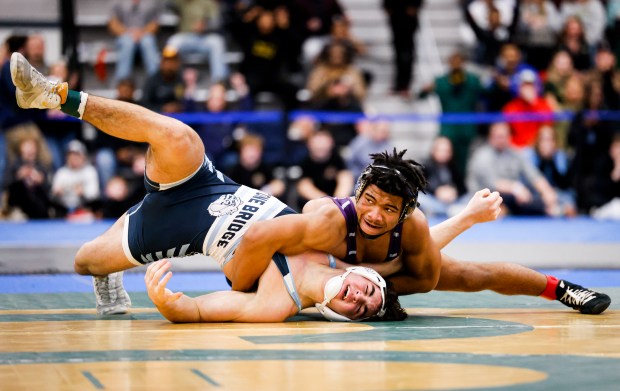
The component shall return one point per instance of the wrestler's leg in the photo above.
(104, 254)
(501, 277)
(175, 152)
(513, 279)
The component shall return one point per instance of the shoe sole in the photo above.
(597, 309)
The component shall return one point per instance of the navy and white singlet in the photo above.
(347, 208)
(205, 213)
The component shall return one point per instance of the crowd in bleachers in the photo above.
(531, 56)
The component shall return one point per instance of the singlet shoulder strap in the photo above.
(395, 242)
(347, 208)
(282, 262)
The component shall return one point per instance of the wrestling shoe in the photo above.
(112, 298)
(582, 299)
(35, 91)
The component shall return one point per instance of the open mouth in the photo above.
(372, 226)
(346, 292)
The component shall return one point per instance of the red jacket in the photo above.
(524, 133)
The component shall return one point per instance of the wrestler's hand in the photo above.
(484, 206)
(156, 285)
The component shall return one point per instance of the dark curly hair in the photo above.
(393, 309)
(394, 175)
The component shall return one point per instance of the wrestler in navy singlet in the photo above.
(205, 213)
(347, 208)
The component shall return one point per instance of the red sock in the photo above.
(549, 292)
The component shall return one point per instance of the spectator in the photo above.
(554, 164)
(339, 96)
(590, 138)
(524, 132)
(125, 188)
(459, 91)
(500, 167)
(591, 13)
(164, 92)
(605, 74)
(494, 35)
(75, 185)
(336, 64)
(314, 21)
(505, 84)
(252, 171)
(218, 136)
(609, 185)
(267, 38)
(199, 33)
(14, 120)
(445, 182)
(27, 180)
(573, 40)
(480, 9)
(372, 137)
(538, 30)
(34, 51)
(135, 24)
(323, 172)
(403, 19)
(613, 26)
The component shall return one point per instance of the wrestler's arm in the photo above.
(289, 235)
(420, 258)
(224, 306)
(484, 206)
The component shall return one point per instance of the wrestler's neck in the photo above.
(310, 279)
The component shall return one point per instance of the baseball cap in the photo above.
(77, 147)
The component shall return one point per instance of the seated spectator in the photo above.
(607, 75)
(338, 96)
(372, 137)
(459, 91)
(252, 171)
(590, 138)
(27, 181)
(323, 172)
(498, 166)
(75, 185)
(609, 184)
(613, 26)
(218, 136)
(591, 13)
(538, 30)
(336, 63)
(125, 188)
(524, 133)
(505, 83)
(573, 40)
(492, 35)
(445, 183)
(34, 51)
(164, 92)
(199, 33)
(554, 164)
(135, 24)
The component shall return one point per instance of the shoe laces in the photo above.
(106, 291)
(577, 297)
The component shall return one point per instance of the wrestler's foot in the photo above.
(582, 299)
(112, 298)
(35, 91)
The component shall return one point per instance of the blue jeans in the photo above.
(211, 46)
(106, 165)
(126, 48)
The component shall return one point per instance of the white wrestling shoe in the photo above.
(112, 298)
(35, 91)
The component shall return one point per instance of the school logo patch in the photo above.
(225, 205)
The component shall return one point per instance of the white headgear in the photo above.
(334, 285)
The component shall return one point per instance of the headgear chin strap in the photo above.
(411, 201)
(334, 285)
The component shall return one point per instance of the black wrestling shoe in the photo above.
(582, 299)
